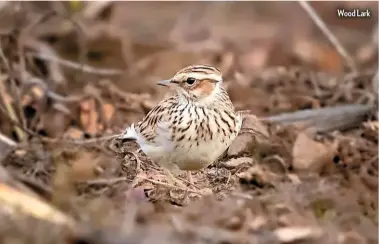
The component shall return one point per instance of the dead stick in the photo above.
(73, 65)
(332, 38)
(325, 119)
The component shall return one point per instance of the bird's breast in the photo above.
(202, 136)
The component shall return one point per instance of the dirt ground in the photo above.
(74, 74)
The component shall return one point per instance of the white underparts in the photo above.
(130, 133)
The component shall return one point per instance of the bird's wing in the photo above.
(155, 127)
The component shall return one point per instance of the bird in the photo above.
(191, 129)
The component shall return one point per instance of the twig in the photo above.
(16, 92)
(78, 142)
(25, 33)
(33, 206)
(6, 146)
(55, 71)
(33, 184)
(168, 185)
(138, 161)
(57, 140)
(332, 38)
(29, 81)
(16, 123)
(78, 28)
(9, 110)
(73, 65)
(110, 181)
(325, 119)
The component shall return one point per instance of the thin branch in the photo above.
(16, 93)
(332, 38)
(168, 185)
(104, 181)
(9, 110)
(325, 119)
(73, 65)
(6, 146)
(57, 140)
(16, 123)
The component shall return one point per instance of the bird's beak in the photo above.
(164, 82)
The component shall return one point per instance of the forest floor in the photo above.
(73, 75)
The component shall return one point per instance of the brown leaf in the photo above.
(251, 124)
(235, 162)
(108, 112)
(323, 56)
(89, 116)
(74, 133)
(252, 131)
(257, 176)
(242, 144)
(310, 155)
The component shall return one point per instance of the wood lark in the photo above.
(191, 129)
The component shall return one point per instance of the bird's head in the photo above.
(197, 83)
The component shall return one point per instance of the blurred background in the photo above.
(142, 42)
(74, 70)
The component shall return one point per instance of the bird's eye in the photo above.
(190, 80)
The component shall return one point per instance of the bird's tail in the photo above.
(128, 134)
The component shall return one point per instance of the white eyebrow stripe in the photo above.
(199, 76)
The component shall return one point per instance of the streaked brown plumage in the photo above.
(191, 129)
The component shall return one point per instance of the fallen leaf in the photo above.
(242, 144)
(108, 112)
(251, 124)
(310, 155)
(257, 176)
(89, 116)
(292, 234)
(74, 133)
(235, 162)
(323, 56)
